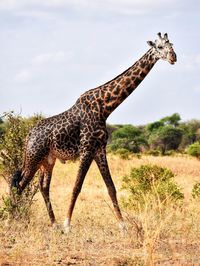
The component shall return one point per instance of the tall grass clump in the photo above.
(12, 143)
(153, 195)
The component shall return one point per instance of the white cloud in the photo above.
(14, 4)
(189, 62)
(197, 59)
(197, 89)
(23, 76)
(7, 4)
(119, 6)
(27, 74)
(36, 14)
(48, 58)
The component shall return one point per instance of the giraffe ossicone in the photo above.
(81, 132)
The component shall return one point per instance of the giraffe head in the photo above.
(162, 49)
(17, 177)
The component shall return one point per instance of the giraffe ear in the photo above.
(150, 43)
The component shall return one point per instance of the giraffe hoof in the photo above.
(123, 228)
(67, 227)
(57, 228)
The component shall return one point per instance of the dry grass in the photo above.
(168, 236)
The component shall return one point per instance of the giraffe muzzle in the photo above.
(173, 59)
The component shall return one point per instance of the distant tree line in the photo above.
(163, 137)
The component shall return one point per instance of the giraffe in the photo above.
(81, 132)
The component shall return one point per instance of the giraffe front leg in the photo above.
(44, 186)
(102, 164)
(85, 162)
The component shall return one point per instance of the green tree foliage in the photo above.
(191, 132)
(13, 139)
(127, 137)
(11, 154)
(166, 138)
(172, 120)
(198, 134)
(194, 149)
(160, 137)
(2, 127)
(165, 134)
(152, 127)
(152, 181)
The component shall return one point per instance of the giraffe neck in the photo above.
(114, 92)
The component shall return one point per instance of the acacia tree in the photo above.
(166, 138)
(172, 120)
(128, 137)
(152, 127)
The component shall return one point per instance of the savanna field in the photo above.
(155, 235)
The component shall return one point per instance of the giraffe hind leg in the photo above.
(102, 164)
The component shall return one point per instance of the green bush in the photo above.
(123, 153)
(152, 181)
(12, 141)
(11, 154)
(194, 149)
(16, 206)
(196, 191)
(153, 152)
(116, 145)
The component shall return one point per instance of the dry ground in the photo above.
(154, 237)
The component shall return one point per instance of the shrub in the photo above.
(16, 206)
(153, 152)
(13, 140)
(123, 153)
(11, 153)
(194, 149)
(152, 181)
(196, 191)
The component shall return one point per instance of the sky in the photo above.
(52, 51)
